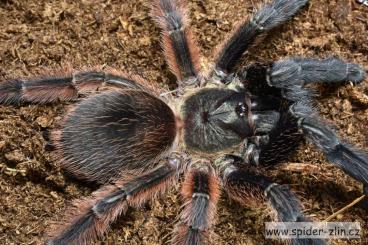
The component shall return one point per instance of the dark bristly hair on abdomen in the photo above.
(114, 133)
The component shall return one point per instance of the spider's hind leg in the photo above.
(90, 218)
(246, 186)
(201, 193)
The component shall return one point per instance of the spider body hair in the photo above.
(112, 132)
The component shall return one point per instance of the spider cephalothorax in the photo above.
(216, 119)
(218, 128)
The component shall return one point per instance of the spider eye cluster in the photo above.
(241, 109)
(215, 119)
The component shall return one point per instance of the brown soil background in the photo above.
(35, 34)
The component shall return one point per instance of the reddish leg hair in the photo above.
(180, 48)
(201, 193)
(90, 218)
(67, 85)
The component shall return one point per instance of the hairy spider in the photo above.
(217, 128)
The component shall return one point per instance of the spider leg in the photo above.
(296, 70)
(292, 74)
(200, 192)
(90, 218)
(178, 42)
(245, 185)
(268, 17)
(352, 161)
(331, 70)
(65, 87)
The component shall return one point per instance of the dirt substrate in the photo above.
(35, 34)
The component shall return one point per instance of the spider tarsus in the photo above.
(276, 13)
(189, 236)
(365, 192)
(10, 91)
(287, 206)
(353, 161)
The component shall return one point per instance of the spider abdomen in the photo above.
(115, 132)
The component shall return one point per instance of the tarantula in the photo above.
(217, 128)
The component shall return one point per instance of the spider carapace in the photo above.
(219, 128)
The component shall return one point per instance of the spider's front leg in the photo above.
(329, 70)
(90, 218)
(352, 161)
(268, 17)
(66, 86)
(246, 186)
(201, 193)
(292, 74)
